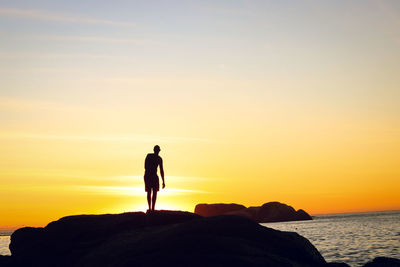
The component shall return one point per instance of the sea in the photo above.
(4, 242)
(353, 238)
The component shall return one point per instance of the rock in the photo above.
(160, 239)
(5, 260)
(23, 239)
(250, 213)
(269, 212)
(213, 241)
(383, 262)
(337, 264)
(74, 235)
(207, 210)
(278, 212)
(302, 215)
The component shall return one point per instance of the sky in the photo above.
(250, 102)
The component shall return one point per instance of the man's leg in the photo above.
(154, 198)
(149, 198)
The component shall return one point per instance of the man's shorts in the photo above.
(151, 183)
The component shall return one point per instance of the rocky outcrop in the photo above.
(163, 238)
(208, 210)
(269, 212)
(71, 237)
(278, 212)
(5, 260)
(338, 264)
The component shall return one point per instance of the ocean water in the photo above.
(4, 242)
(351, 238)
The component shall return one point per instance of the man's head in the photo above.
(156, 149)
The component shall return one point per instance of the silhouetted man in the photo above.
(151, 181)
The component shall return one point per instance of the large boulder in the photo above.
(213, 241)
(160, 239)
(269, 212)
(279, 212)
(71, 237)
(5, 260)
(302, 215)
(338, 264)
(207, 210)
(250, 213)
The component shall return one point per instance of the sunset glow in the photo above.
(250, 102)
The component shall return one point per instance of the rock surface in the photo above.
(269, 212)
(383, 262)
(278, 212)
(208, 210)
(338, 264)
(5, 260)
(71, 237)
(163, 238)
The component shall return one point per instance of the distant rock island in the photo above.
(162, 238)
(268, 212)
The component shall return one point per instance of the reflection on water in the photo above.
(4, 242)
(352, 238)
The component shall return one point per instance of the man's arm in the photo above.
(162, 172)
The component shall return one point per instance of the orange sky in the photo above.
(260, 102)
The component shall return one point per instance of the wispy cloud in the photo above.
(27, 105)
(134, 190)
(20, 104)
(224, 10)
(82, 38)
(101, 138)
(22, 55)
(97, 189)
(35, 14)
(127, 179)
